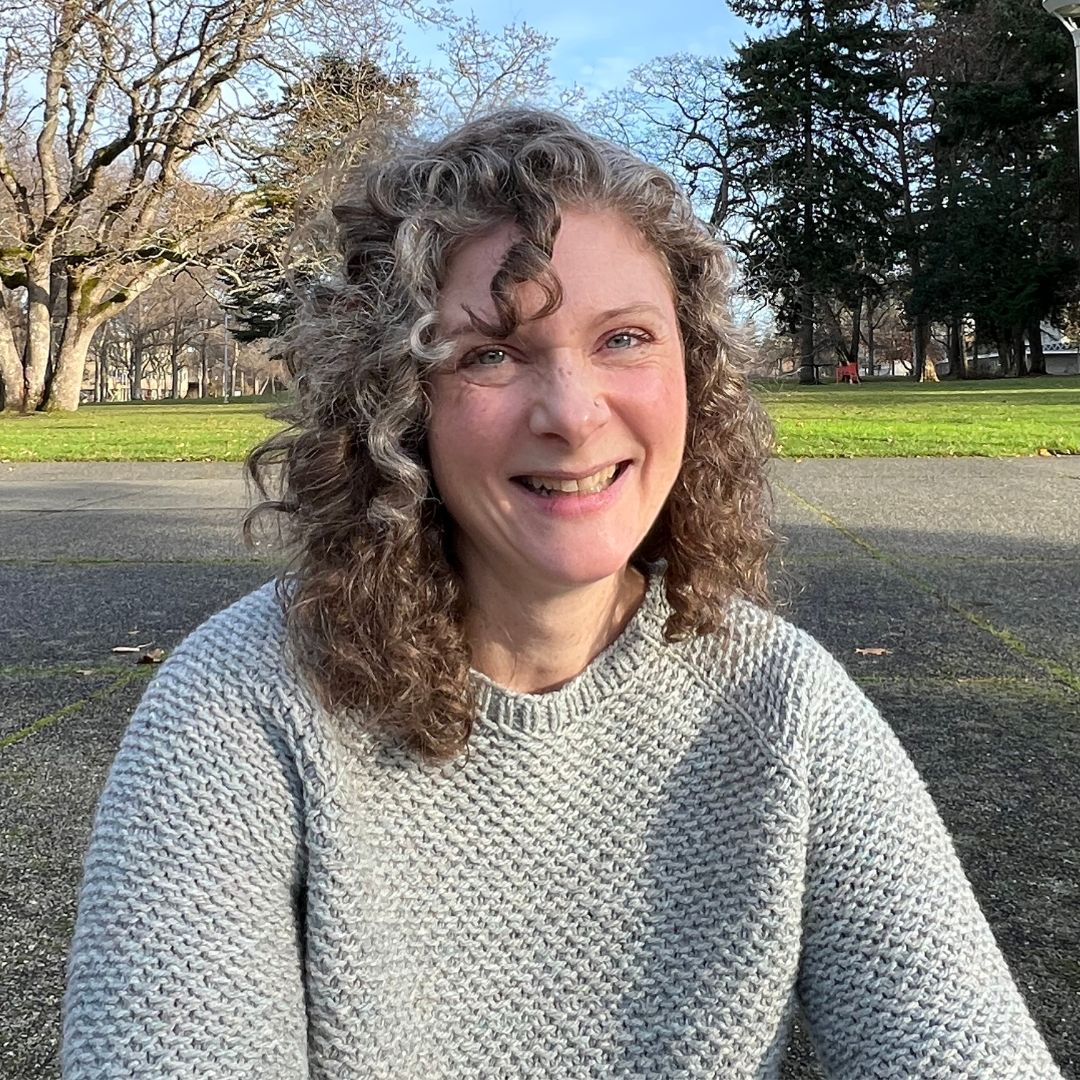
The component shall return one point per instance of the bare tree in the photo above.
(157, 336)
(347, 111)
(263, 366)
(677, 111)
(483, 71)
(128, 127)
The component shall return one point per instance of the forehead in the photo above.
(600, 258)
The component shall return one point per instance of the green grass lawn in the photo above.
(898, 418)
(150, 431)
(883, 418)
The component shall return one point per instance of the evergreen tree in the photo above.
(1001, 215)
(329, 121)
(810, 93)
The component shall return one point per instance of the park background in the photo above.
(898, 184)
(897, 181)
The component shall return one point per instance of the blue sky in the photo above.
(601, 41)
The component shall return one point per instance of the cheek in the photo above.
(442, 420)
(465, 430)
(662, 413)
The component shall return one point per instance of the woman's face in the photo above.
(554, 450)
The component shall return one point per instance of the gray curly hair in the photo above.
(374, 606)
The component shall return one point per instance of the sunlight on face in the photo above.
(554, 450)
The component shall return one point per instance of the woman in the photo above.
(515, 775)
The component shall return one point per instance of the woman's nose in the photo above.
(569, 403)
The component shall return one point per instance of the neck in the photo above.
(539, 643)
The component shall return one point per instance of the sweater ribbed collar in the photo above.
(625, 662)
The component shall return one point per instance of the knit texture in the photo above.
(643, 874)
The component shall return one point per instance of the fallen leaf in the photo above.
(154, 656)
(874, 651)
(1043, 452)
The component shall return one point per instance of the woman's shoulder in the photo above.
(768, 669)
(234, 664)
(214, 740)
(244, 633)
(756, 644)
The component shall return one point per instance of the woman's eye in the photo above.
(486, 357)
(625, 339)
(489, 365)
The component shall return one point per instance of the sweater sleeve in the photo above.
(186, 959)
(900, 974)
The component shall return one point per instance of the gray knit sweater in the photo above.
(641, 875)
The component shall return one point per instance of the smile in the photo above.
(586, 485)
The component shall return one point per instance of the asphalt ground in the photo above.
(966, 570)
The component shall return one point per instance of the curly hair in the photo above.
(374, 606)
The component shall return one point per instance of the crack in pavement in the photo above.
(75, 560)
(68, 710)
(1056, 671)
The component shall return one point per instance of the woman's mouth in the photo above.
(553, 486)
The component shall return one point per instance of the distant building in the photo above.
(1062, 358)
(116, 385)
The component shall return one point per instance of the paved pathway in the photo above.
(967, 570)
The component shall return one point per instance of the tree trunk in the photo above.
(807, 365)
(805, 336)
(12, 388)
(1038, 358)
(1005, 352)
(174, 369)
(70, 365)
(1019, 350)
(807, 313)
(957, 359)
(114, 361)
(38, 329)
(136, 366)
(60, 313)
(981, 338)
(920, 336)
(856, 332)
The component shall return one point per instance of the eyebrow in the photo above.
(642, 307)
(460, 330)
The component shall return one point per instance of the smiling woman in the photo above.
(523, 302)
(554, 447)
(514, 775)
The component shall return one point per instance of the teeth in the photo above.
(586, 486)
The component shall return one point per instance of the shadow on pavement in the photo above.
(994, 732)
